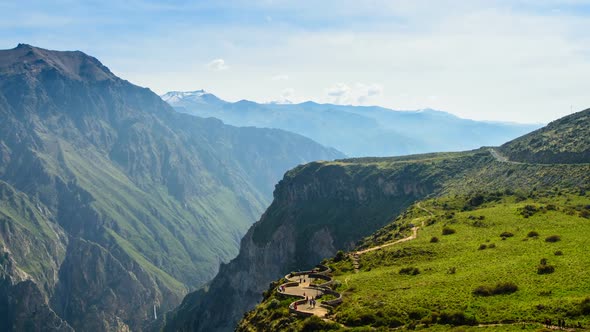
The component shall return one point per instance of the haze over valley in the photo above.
(294, 166)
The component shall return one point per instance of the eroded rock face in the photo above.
(112, 203)
(318, 209)
(23, 307)
(120, 296)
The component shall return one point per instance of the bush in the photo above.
(491, 246)
(434, 239)
(505, 288)
(272, 304)
(314, 323)
(545, 269)
(452, 270)
(585, 306)
(482, 247)
(528, 210)
(448, 231)
(482, 291)
(339, 256)
(553, 238)
(499, 289)
(506, 234)
(455, 318)
(409, 271)
(558, 253)
(533, 234)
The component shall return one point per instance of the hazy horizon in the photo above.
(510, 61)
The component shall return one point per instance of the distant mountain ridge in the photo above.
(563, 141)
(113, 205)
(355, 130)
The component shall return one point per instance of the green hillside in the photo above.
(113, 204)
(562, 141)
(535, 242)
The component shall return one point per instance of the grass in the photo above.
(379, 290)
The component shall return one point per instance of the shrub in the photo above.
(272, 304)
(585, 306)
(528, 210)
(455, 318)
(533, 234)
(452, 270)
(314, 323)
(558, 253)
(448, 231)
(482, 291)
(553, 238)
(491, 246)
(434, 239)
(339, 256)
(499, 289)
(409, 271)
(545, 269)
(505, 288)
(482, 247)
(506, 234)
(543, 261)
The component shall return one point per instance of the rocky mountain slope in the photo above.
(323, 207)
(355, 130)
(562, 141)
(113, 205)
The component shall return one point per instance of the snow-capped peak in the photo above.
(177, 96)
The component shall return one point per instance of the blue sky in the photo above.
(523, 61)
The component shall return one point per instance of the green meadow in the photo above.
(497, 240)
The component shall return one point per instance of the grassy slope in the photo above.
(22, 221)
(379, 296)
(153, 227)
(562, 141)
(380, 286)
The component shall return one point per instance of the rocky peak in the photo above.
(31, 60)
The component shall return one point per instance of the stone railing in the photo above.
(320, 272)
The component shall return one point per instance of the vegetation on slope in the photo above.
(562, 141)
(491, 270)
(91, 163)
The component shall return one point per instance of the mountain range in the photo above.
(112, 205)
(355, 130)
(323, 207)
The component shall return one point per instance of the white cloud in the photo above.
(478, 59)
(217, 64)
(341, 93)
(281, 77)
(287, 96)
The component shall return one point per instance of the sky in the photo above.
(520, 61)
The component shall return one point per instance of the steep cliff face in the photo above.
(111, 202)
(318, 209)
(323, 207)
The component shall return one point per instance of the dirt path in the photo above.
(500, 157)
(356, 255)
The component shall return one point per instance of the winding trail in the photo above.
(356, 255)
(501, 158)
